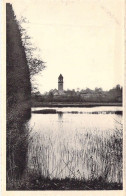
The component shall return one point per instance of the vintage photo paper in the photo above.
(63, 73)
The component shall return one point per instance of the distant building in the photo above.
(60, 84)
(55, 92)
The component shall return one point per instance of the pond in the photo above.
(80, 143)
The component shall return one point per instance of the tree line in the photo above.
(85, 95)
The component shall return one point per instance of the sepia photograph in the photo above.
(64, 95)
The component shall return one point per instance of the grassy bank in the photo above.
(34, 182)
(77, 104)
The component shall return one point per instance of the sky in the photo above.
(81, 39)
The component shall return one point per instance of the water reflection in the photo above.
(60, 115)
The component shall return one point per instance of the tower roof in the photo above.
(60, 76)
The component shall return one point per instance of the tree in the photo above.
(50, 96)
(117, 87)
(98, 90)
(35, 63)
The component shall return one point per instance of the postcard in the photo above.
(63, 97)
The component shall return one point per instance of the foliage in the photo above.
(113, 95)
(35, 64)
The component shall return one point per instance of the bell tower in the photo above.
(60, 83)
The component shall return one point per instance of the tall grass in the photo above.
(85, 156)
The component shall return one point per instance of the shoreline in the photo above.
(53, 104)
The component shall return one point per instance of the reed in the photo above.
(94, 155)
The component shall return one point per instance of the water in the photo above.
(77, 145)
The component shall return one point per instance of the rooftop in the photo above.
(60, 76)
